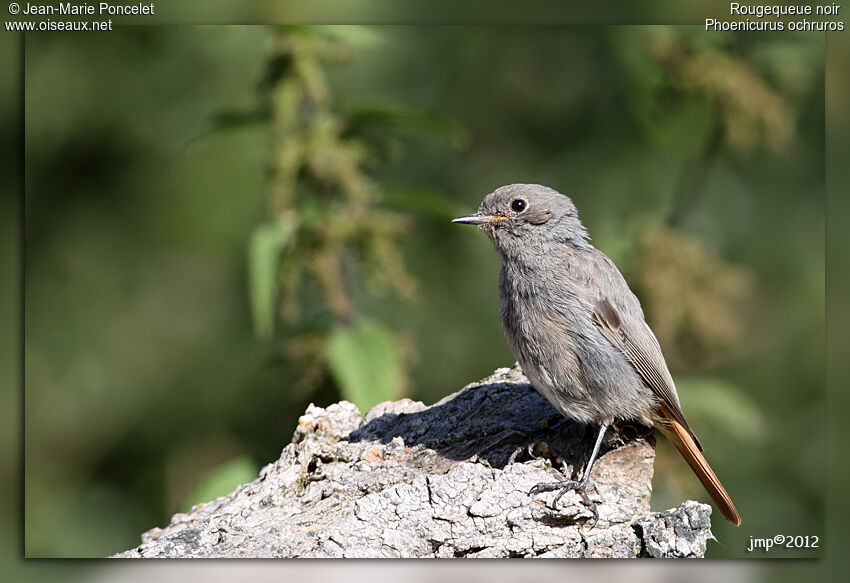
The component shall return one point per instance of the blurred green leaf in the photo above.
(724, 405)
(267, 243)
(408, 118)
(425, 202)
(235, 119)
(356, 36)
(225, 121)
(222, 480)
(365, 362)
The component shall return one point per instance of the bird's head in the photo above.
(528, 216)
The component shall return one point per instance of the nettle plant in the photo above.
(330, 235)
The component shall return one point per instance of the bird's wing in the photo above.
(639, 346)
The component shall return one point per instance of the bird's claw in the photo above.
(537, 437)
(565, 486)
(529, 448)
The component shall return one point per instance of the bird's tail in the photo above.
(681, 438)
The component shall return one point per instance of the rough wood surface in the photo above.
(415, 481)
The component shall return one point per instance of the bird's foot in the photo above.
(534, 439)
(528, 448)
(579, 487)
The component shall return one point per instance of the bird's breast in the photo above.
(548, 318)
(543, 326)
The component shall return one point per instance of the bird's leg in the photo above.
(578, 486)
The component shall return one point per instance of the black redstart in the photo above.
(577, 329)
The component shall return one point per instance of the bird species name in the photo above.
(770, 18)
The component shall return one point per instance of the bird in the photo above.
(578, 331)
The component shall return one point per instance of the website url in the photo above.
(52, 25)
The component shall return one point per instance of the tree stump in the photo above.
(409, 480)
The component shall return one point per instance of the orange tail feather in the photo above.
(681, 438)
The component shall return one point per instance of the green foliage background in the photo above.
(224, 224)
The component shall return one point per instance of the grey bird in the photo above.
(578, 331)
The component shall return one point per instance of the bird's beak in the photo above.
(479, 219)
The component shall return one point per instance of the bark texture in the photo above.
(415, 481)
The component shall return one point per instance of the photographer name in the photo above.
(102, 8)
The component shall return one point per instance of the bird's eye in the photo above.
(518, 205)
